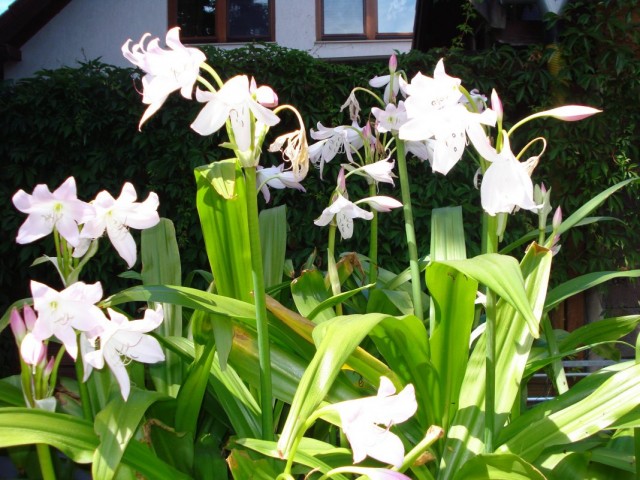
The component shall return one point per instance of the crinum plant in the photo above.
(356, 372)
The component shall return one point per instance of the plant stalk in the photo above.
(410, 231)
(490, 245)
(46, 462)
(262, 325)
(373, 241)
(334, 278)
(85, 398)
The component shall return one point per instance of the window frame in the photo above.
(221, 25)
(370, 25)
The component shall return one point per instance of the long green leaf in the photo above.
(306, 454)
(222, 208)
(502, 275)
(227, 387)
(309, 292)
(513, 343)
(498, 467)
(453, 295)
(404, 344)
(186, 297)
(616, 397)
(335, 340)
(161, 265)
(273, 238)
(115, 425)
(75, 438)
(582, 283)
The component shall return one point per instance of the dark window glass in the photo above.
(197, 18)
(248, 19)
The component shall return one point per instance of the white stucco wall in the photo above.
(88, 29)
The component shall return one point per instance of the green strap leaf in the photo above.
(498, 467)
(582, 283)
(161, 265)
(75, 438)
(513, 343)
(617, 396)
(335, 339)
(273, 238)
(501, 274)
(453, 295)
(115, 426)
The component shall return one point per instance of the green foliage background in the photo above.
(83, 122)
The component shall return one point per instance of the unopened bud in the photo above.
(393, 63)
(342, 183)
(17, 326)
(557, 218)
(496, 105)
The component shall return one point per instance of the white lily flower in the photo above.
(366, 422)
(332, 141)
(276, 177)
(399, 84)
(166, 70)
(60, 314)
(263, 94)
(506, 184)
(437, 116)
(60, 210)
(116, 215)
(391, 118)
(122, 340)
(381, 203)
(380, 171)
(234, 101)
(344, 212)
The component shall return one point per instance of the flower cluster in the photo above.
(435, 117)
(72, 315)
(246, 109)
(79, 223)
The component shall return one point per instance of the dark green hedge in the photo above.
(83, 122)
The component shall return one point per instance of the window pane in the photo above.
(197, 18)
(396, 16)
(343, 17)
(249, 19)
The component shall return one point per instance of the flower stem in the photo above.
(262, 325)
(490, 245)
(433, 434)
(85, 399)
(414, 266)
(373, 241)
(46, 463)
(334, 278)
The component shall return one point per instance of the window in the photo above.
(365, 19)
(222, 20)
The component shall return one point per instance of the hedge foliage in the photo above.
(83, 122)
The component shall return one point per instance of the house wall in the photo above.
(88, 29)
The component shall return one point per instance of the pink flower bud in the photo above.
(571, 113)
(29, 317)
(557, 218)
(342, 182)
(496, 105)
(48, 369)
(393, 63)
(32, 350)
(17, 326)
